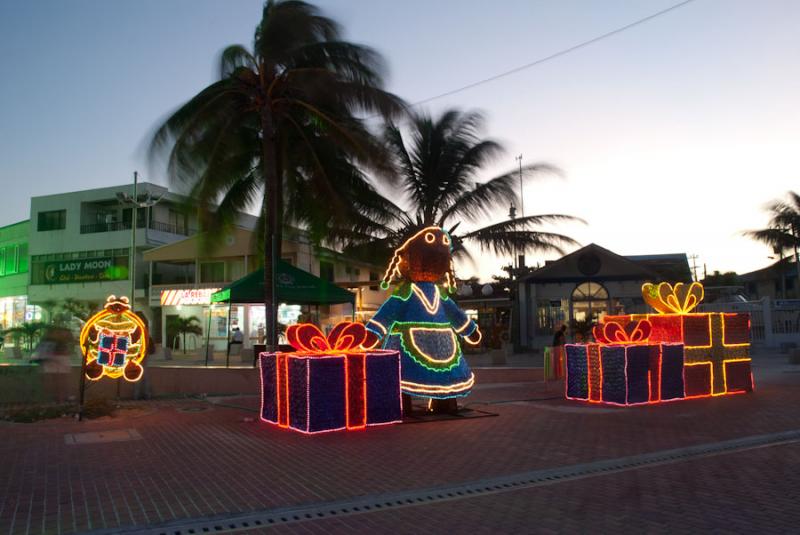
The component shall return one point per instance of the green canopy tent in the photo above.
(293, 286)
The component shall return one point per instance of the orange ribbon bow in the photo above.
(308, 338)
(635, 332)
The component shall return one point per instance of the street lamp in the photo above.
(134, 202)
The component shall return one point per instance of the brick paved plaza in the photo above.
(190, 463)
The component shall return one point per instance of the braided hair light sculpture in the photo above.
(422, 322)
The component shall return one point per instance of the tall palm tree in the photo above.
(436, 166)
(783, 231)
(280, 124)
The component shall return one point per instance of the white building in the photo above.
(580, 288)
(80, 242)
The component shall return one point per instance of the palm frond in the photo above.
(779, 240)
(234, 57)
(497, 193)
(514, 237)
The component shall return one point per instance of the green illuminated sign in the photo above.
(83, 270)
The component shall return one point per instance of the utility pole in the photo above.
(694, 258)
(521, 196)
(132, 270)
(134, 203)
(516, 306)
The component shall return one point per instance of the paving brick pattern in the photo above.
(748, 491)
(191, 465)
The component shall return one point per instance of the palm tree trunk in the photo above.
(796, 261)
(272, 231)
(783, 275)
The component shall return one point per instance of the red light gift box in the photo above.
(716, 345)
(330, 383)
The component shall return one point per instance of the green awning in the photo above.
(294, 287)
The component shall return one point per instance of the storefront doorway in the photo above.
(589, 303)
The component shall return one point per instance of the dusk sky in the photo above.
(672, 134)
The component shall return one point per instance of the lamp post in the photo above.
(515, 304)
(512, 214)
(135, 202)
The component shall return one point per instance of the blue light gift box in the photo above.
(112, 349)
(330, 383)
(624, 369)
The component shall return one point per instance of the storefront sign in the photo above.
(83, 270)
(194, 296)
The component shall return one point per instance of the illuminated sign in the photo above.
(194, 296)
(84, 270)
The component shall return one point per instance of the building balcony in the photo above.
(114, 226)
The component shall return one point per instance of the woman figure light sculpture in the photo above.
(421, 321)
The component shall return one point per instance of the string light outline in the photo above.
(139, 349)
(283, 417)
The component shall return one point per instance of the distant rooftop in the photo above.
(670, 266)
(668, 256)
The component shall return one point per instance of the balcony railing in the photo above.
(112, 226)
(169, 227)
(115, 226)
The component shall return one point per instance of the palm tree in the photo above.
(436, 166)
(783, 231)
(27, 331)
(280, 123)
(181, 326)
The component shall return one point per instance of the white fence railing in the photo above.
(772, 323)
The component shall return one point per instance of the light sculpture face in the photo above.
(424, 257)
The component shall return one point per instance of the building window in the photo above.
(550, 314)
(12, 259)
(589, 302)
(236, 269)
(212, 272)
(374, 277)
(326, 271)
(23, 258)
(53, 220)
(177, 222)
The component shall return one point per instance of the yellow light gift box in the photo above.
(716, 344)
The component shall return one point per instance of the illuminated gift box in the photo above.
(624, 368)
(329, 383)
(112, 349)
(716, 344)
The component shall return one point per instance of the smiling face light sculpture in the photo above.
(422, 322)
(114, 342)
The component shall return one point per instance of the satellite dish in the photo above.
(487, 290)
(465, 290)
(230, 240)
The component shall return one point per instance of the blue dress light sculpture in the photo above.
(422, 322)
